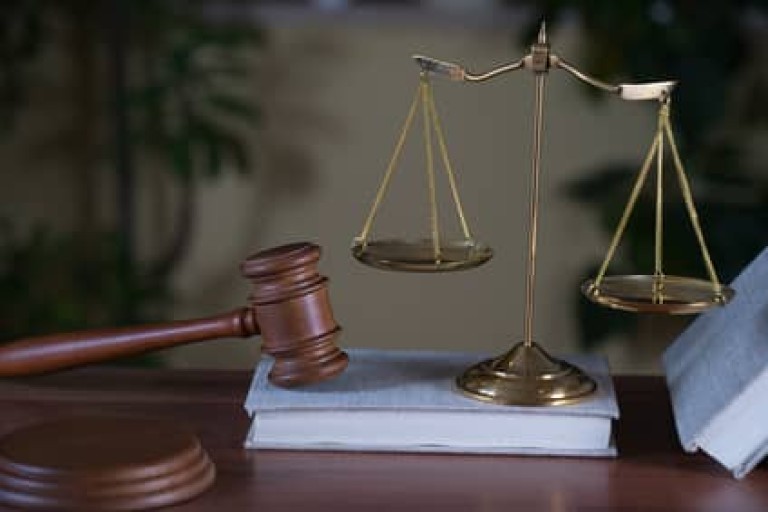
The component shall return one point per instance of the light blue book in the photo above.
(717, 373)
(406, 401)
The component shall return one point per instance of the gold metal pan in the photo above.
(419, 255)
(672, 295)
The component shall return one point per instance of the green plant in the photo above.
(155, 82)
(718, 112)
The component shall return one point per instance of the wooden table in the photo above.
(651, 473)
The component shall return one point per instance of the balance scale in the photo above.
(526, 374)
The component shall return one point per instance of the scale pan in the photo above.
(419, 255)
(649, 294)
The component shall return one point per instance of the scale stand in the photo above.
(526, 375)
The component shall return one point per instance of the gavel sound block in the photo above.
(289, 307)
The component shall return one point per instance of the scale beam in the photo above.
(629, 91)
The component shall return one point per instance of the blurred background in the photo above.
(149, 146)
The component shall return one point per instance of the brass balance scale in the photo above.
(526, 374)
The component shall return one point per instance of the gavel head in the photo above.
(293, 313)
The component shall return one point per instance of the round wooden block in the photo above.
(95, 463)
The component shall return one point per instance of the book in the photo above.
(407, 401)
(717, 374)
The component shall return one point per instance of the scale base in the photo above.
(526, 375)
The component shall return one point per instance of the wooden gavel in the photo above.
(289, 307)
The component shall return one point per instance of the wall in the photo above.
(335, 96)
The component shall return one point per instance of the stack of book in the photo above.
(407, 401)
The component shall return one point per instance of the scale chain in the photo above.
(635, 194)
(390, 169)
(430, 168)
(659, 238)
(448, 168)
(690, 205)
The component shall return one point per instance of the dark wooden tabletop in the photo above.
(651, 472)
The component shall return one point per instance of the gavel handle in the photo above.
(58, 351)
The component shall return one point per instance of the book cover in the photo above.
(717, 374)
(408, 401)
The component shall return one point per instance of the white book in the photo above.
(717, 374)
(407, 401)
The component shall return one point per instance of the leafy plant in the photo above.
(156, 82)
